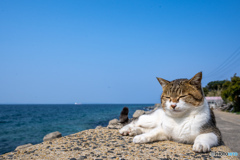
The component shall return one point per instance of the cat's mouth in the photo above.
(174, 110)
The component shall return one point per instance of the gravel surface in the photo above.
(106, 143)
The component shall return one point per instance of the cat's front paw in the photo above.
(131, 131)
(140, 139)
(125, 130)
(201, 147)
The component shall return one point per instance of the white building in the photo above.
(214, 102)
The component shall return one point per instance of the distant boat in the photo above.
(77, 103)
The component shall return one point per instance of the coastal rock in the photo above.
(138, 113)
(157, 105)
(114, 121)
(124, 115)
(52, 135)
(23, 146)
(153, 108)
(114, 124)
(99, 127)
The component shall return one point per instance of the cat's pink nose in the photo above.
(173, 106)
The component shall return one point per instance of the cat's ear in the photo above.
(163, 82)
(196, 80)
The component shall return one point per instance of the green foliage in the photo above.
(215, 85)
(213, 88)
(231, 92)
(205, 90)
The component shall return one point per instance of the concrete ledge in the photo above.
(109, 144)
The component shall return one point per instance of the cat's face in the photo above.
(181, 95)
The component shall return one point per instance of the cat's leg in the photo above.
(204, 142)
(155, 134)
(147, 121)
(131, 130)
(142, 125)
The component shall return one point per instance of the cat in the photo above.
(184, 117)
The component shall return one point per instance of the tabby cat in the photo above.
(184, 117)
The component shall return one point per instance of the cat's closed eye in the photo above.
(183, 96)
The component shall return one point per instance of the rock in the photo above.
(52, 135)
(99, 127)
(149, 108)
(157, 105)
(114, 121)
(149, 112)
(138, 113)
(226, 107)
(124, 115)
(114, 124)
(153, 108)
(23, 146)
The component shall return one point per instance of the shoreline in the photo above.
(107, 143)
(29, 124)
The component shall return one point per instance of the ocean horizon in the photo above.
(29, 123)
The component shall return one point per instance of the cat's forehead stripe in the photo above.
(175, 86)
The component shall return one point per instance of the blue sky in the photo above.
(111, 51)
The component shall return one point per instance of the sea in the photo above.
(22, 124)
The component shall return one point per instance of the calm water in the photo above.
(21, 124)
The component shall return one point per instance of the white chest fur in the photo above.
(183, 129)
